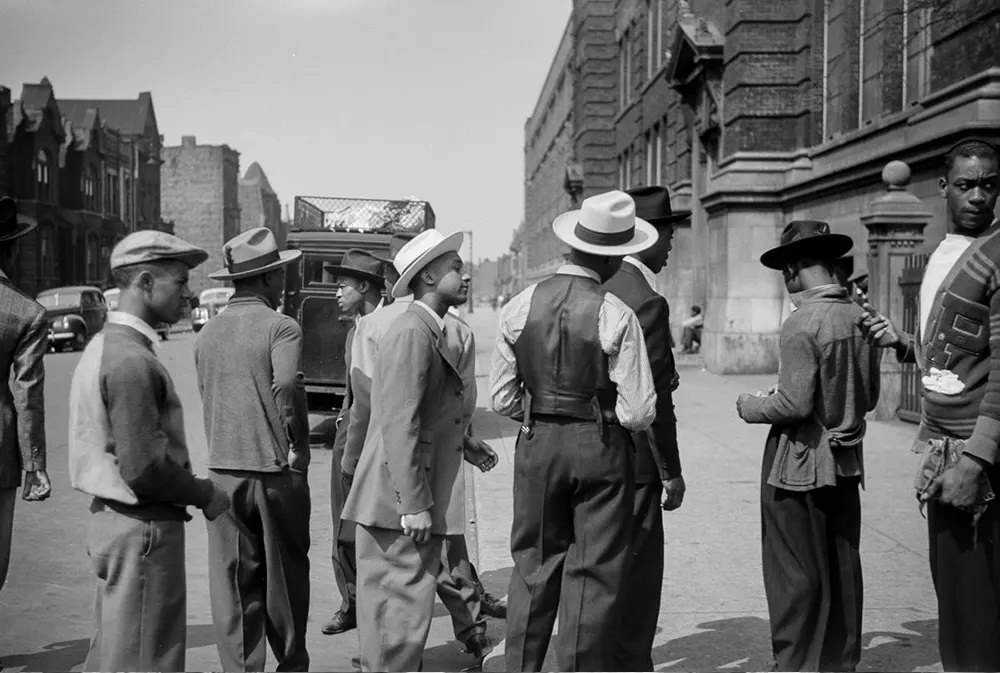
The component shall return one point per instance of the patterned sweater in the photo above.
(963, 338)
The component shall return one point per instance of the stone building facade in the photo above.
(259, 204)
(756, 112)
(200, 194)
(74, 169)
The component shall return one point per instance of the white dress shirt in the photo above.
(136, 323)
(621, 340)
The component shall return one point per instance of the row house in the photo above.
(753, 113)
(88, 172)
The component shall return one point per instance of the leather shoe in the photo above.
(356, 663)
(493, 606)
(479, 646)
(340, 622)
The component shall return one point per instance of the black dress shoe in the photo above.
(341, 621)
(479, 646)
(493, 606)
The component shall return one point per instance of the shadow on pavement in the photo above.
(67, 654)
(744, 643)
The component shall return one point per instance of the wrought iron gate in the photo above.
(909, 283)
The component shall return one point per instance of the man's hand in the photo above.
(480, 454)
(217, 505)
(417, 526)
(37, 486)
(957, 486)
(298, 460)
(673, 493)
(878, 329)
(741, 402)
(675, 381)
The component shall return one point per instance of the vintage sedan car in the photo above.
(111, 297)
(211, 302)
(75, 314)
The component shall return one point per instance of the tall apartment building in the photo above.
(753, 113)
(200, 194)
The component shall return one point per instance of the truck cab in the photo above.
(324, 229)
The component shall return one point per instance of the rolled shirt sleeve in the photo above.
(628, 364)
(506, 392)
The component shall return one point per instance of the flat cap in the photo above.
(149, 245)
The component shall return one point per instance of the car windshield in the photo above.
(59, 299)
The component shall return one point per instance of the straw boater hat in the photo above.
(252, 253)
(12, 224)
(605, 224)
(418, 253)
(359, 264)
(806, 238)
(652, 204)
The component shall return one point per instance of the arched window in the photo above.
(42, 191)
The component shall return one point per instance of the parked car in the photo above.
(111, 297)
(74, 313)
(211, 302)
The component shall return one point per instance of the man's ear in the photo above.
(146, 280)
(943, 187)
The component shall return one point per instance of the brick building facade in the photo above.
(73, 168)
(200, 194)
(753, 113)
(259, 204)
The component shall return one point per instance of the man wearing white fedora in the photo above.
(256, 423)
(408, 491)
(571, 363)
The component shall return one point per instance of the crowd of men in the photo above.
(583, 361)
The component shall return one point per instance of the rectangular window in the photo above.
(625, 69)
(918, 49)
(658, 155)
(650, 38)
(649, 158)
(628, 169)
(659, 33)
(842, 56)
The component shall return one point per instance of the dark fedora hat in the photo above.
(12, 224)
(396, 243)
(653, 205)
(806, 238)
(359, 264)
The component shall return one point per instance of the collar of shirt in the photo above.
(438, 319)
(646, 272)
(575, 270)
(249, 299)
(820, 292)
(136, 323)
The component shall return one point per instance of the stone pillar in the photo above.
(895, 223)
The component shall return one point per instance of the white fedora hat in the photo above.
(418, 253)
(605, 224)
(253, 252)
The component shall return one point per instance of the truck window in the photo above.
(313, 273)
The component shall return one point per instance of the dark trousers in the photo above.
(140, 610)
(573, 489)
(8, 496)
(966, 572)
(343, 554)
(812, 572)
(643, 581)
(457, 589)
(259, 570)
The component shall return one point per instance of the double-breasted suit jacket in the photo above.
(414, 448)
(23, 342)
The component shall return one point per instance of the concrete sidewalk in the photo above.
(713, 614)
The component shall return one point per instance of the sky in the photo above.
(367, 98)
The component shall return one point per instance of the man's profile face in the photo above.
(661, 249)
(971, 190)
(452, 281)
(167, 292)
(349, 295)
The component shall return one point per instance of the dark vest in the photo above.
(559, 355)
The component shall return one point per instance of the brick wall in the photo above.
(200, 194)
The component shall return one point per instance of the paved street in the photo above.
(713, 615)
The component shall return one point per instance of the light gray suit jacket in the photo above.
(414, 447)
(23, 342)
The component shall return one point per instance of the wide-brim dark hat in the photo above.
(359, 264)
(806, 238)
(13, 225)
(652, 204)
(396, 243)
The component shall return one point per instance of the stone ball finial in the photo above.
(896, 175)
